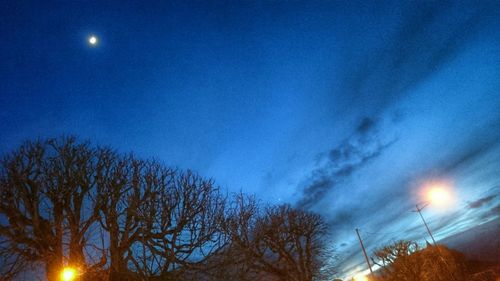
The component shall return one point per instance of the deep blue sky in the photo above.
(344, 108)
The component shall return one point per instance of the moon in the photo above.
(92, 40)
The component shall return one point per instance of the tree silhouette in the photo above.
(281, 243)
(43, 187)
(117, 217)
(405, 261)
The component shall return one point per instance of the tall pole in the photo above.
(364, 251)
(419, 209)
(425, 223)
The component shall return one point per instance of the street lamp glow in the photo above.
(68, 274)
(439, 195)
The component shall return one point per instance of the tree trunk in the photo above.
(53, 268)
(117, 269)
(76, 256)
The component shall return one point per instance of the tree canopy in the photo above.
(117, 217)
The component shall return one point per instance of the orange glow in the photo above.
(68, 274)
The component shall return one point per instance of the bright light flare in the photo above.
(360, 278)
(68, 274)
(93, 40)
(439, 194)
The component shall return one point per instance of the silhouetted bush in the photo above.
(404, 261)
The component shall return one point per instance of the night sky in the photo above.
(344, 108)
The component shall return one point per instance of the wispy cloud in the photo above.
(480, 202)
(383, 74)
(342, 161)
(367, 179)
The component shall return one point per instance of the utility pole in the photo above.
(364, 251)
(419, 209)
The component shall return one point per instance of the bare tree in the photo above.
(290, 242)
(235, 260)
(282, 243)
(159, 221)
(12, 263)
(399, 250)
(120, 194)
(118, 217)
(43, 186)
(72, 173)
(185, 225)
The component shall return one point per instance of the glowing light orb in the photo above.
(439, 195)
(92, 40)
(68, 274)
